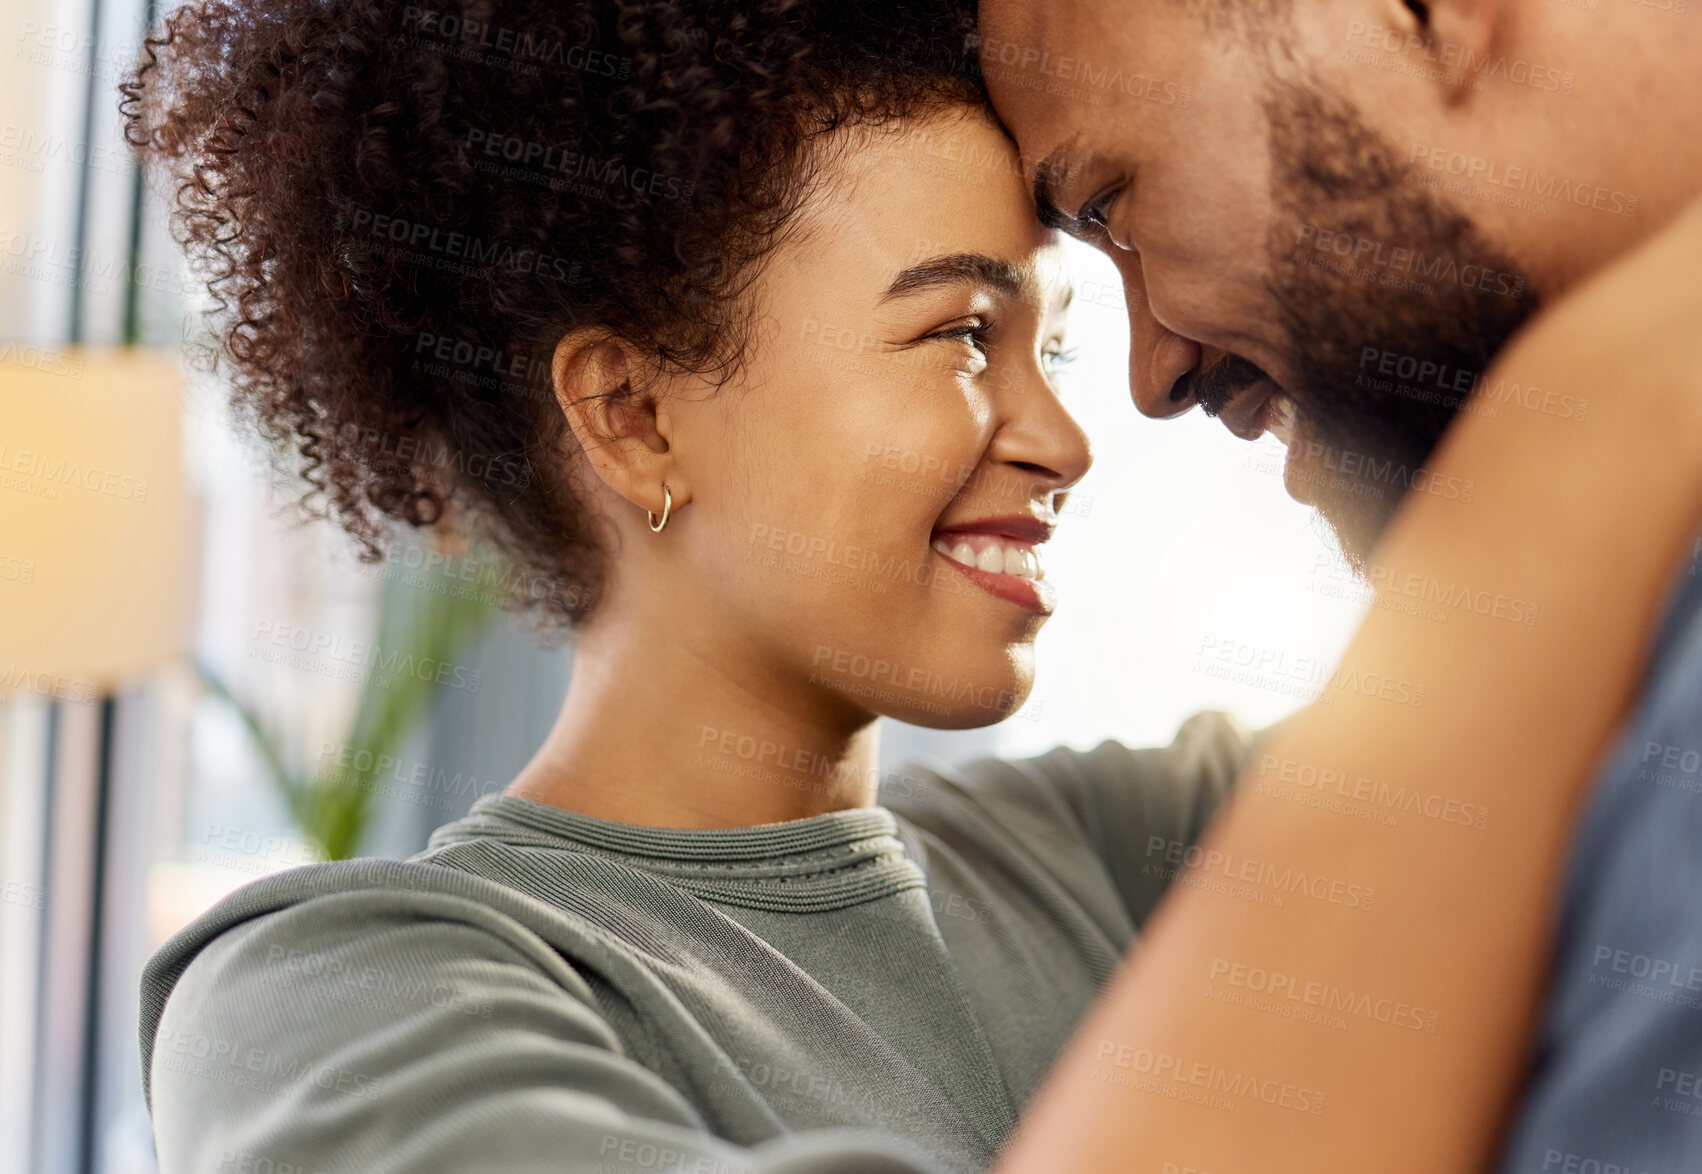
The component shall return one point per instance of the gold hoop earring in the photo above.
(667, 507)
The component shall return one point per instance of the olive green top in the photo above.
(870, 990)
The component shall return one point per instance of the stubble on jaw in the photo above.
(1332, 173)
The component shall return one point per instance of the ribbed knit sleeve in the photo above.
(1140, 808)
(415, 1033)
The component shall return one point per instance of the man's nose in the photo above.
(1161, 362)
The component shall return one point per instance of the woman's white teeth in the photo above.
(1281, 418)
(995, 555)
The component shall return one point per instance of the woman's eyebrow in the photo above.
(960, 269)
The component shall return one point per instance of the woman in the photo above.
(797, 454)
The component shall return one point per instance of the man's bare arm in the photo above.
(1385, 932)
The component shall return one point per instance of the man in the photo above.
(1330, 215)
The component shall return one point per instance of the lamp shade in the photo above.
(93, 517)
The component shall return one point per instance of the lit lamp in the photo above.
(92, 518)
(93, 575)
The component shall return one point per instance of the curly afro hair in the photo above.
(399, 210)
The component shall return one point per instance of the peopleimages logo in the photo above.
(1210, 1076)
(53, 470)
(913, 680)
(610, 171)
(292, 967)
(1358, 788)
(1454, 56)
(1674, 973)
(1441, 268)
(480, 357)
(360, 660)
(1326, 996)
(481, 39)
(460, 246)
(1528, 180)
(1177, 854)
(49, 362)
(400, 452)
(261, 1069)
(1458, 383)
(1076, 71)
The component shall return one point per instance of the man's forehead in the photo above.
(1023, 33)
(1022, 46)
(1053, 147)
(1013, 19)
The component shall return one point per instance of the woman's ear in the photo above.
(606, 389)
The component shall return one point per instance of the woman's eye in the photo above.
(1057, 358)
(974, 333)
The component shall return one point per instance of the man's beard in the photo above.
(1386, 341)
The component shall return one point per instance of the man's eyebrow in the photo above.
(958, 269)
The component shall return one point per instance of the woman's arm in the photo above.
(379, 1028)
(1279, 1014)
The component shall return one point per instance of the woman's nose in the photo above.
(1041, 437)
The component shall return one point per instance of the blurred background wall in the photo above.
(186, 698)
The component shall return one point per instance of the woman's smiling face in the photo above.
(868, 499)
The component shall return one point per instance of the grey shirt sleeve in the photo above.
(355, 1034)
(1142, 807)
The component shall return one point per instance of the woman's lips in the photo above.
(1001, 565)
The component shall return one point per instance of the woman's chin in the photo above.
(970, 708)
(953, 679)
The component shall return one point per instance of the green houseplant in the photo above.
(425, 619)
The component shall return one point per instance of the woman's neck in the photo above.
(671, 733)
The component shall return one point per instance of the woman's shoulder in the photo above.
(330, 1010)
(414, 884)
(1066, 785)
(1114, 817)
(365, 927)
